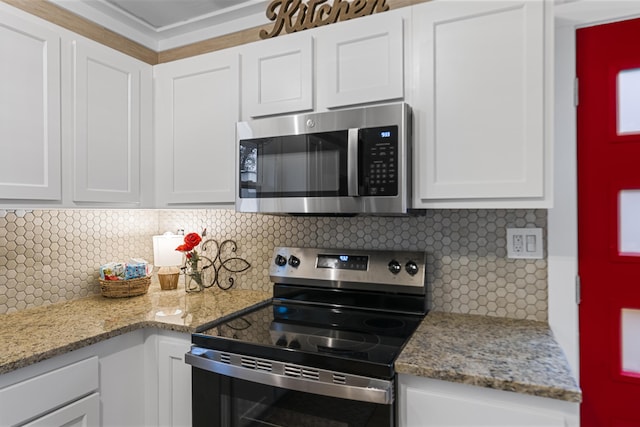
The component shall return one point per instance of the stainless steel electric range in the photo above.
(322, 351)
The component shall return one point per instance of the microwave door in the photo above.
(323, 169)
(294, 166)
(270, 169)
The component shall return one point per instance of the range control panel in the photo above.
(350, 268)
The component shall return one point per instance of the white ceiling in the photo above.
(165, 24)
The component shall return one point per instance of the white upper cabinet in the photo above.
(361, 60)
(482, 104)
(30, 162)
(107, 107)
(196, 108)
(277, 76)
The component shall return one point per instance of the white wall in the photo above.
(562, 226)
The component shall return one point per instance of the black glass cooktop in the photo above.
(361, 342)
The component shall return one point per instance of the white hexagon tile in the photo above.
(468, 271)
(49, 256)
(53, 255)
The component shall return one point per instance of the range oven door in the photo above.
(222, 397)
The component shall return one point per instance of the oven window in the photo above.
(244, 403)
(313, 165)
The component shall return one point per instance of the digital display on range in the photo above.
(343, 262)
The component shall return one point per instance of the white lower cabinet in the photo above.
(81, 413)
(122, 379)
(174, 381)
(135, 379)
(426, 402)
(40, 399)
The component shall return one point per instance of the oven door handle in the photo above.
(293, 377)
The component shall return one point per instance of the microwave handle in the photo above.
(352, 163)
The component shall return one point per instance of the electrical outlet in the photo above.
(524, 243)
(517, 242)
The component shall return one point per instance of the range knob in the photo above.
(394, 266)
(411, 267)
(280, 260)
(294, 261)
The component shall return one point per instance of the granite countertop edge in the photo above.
(540, 390)
(66, 348)
(457, 348)
(108, 318)
(498, 353)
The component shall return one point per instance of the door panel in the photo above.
(480, 114)
(196, 108)
(361, 61)
(608, 226)
(30, 111)
(106, 127)
(277, 76)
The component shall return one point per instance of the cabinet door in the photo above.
(277, 76)
(81, 413)
(479, 106)
(106, 124)
(30, 162)
(41, 393)
(425, 402)
(174, 383)
(197, 106)
(361, 61)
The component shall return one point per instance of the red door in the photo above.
(608, 67)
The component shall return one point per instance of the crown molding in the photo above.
(80, 25)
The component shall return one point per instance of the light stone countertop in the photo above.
(505, 354)
(36, 334)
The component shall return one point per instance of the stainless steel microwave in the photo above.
(355, 161)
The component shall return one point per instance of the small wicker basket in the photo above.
(124, 288)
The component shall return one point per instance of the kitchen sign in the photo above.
(295, 15)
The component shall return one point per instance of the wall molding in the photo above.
(72, 22)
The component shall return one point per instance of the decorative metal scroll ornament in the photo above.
(296, 15)
(218, 266)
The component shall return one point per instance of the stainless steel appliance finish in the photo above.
(355, 161)
(292, 376)
(392, 271)
(322, 351)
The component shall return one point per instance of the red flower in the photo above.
(192, 239)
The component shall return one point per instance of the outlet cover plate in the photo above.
(524, 243)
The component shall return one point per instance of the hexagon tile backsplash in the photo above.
(48, 256)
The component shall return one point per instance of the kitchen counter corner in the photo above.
(505, 354)
(32, 335)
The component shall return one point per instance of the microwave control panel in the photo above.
(378, 167)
